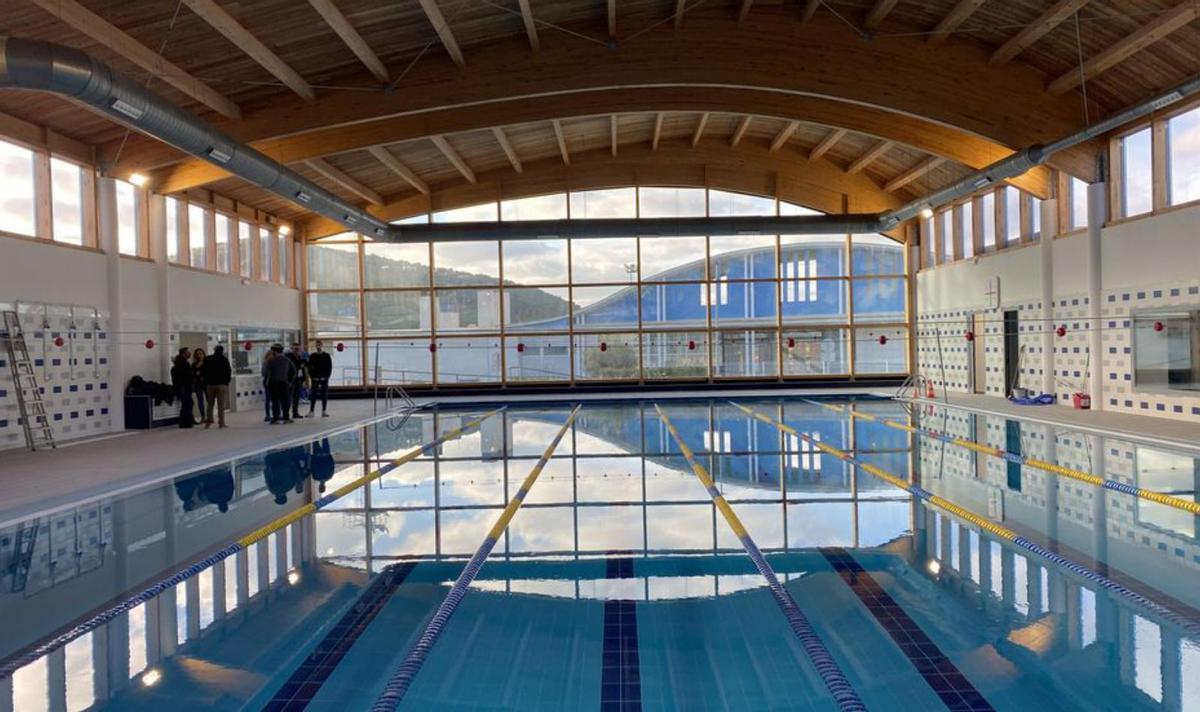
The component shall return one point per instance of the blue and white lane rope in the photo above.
(1185, 623)
(1053, 468)
(11, 665)
(831, 674)
(396, 686)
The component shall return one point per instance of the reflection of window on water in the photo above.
(1166, 353)
(1147, 657)
(1172, 473)
(1087, 617)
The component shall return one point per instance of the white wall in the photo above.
(1146, 263)
(82, 397)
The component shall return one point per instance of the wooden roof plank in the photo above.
(442, 28)
(913, 173)
(1149, 33)
(343, 29)
(455, 159)
(879, 13)
(699, 132)
(954, 19)
(389, 160)
(1035, 30)
(223, 22)
(826, 143)
(323, 167)
(562, 141)
(530, 24)
(94, 26)
(740, 131)
(784, 134)
(872, 154)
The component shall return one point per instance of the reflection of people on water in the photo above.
(210, 487)
(322, 463)
(286, 469)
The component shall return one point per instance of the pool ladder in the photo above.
(34, 420)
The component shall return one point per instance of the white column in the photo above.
(158, 251)
(1097, 213)
(191, 591)
(106, 207)
(100, 660)
(218, 590)
(1049, 210)
(118, 653)
(56, 672)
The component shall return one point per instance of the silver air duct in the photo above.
(44, 66)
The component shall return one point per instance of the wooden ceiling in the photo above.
(922, 90)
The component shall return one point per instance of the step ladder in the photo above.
(22, 556)
(36, 423)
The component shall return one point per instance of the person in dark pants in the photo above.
(322, 465)
(280, 375)
(320, 368)
(183, 381)
(216, 373)
(198, 382)
(266, 386)
(301, 365)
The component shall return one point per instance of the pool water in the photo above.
(880, 568)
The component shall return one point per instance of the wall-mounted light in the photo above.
(926, 212)
(123, 107)
(138, 179)
(152, 677)
(285, 230)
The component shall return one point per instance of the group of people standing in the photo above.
(205, 379)
(285, 375)
(202, 380)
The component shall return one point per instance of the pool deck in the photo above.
(39, 483)
(1167, 432)
(42, 482)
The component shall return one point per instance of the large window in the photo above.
(967, 211)
(1012, 215)
(1183, 157)
(1166, 347)
(171, 222)
(17, 212)
(223, 224)
(266, 246)
(66, 190)
(1137, 181)
(128, 236)
(987, 219)
(946, 221)
(625, 308)
(198, 236)
(1079, 204)
(246, 249)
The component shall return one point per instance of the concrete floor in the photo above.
(43, 481)
(1163, 431)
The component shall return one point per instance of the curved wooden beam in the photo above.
(952, 144)
(951, 85)
(818, 184)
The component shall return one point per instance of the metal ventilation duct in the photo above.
(44, 66)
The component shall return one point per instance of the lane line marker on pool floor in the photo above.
(402, 678)
(831, 674)
(1191, 626)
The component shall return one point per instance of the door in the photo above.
(1012, 353)
(978, 354)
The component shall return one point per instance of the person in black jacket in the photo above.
(322, 465)
(183, 380)
(320, 368)
(198, 383)
(217, 373)
(279, 373)
(297, 385)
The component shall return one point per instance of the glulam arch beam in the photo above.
(947, 142)
(818, 184)
(951, 85)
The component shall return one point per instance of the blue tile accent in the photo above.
(941, 674)
(306, 680)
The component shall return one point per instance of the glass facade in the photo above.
(615, 309)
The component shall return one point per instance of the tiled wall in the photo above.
(1072, 360)
(74, 378)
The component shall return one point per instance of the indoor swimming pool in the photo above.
(742, 553)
